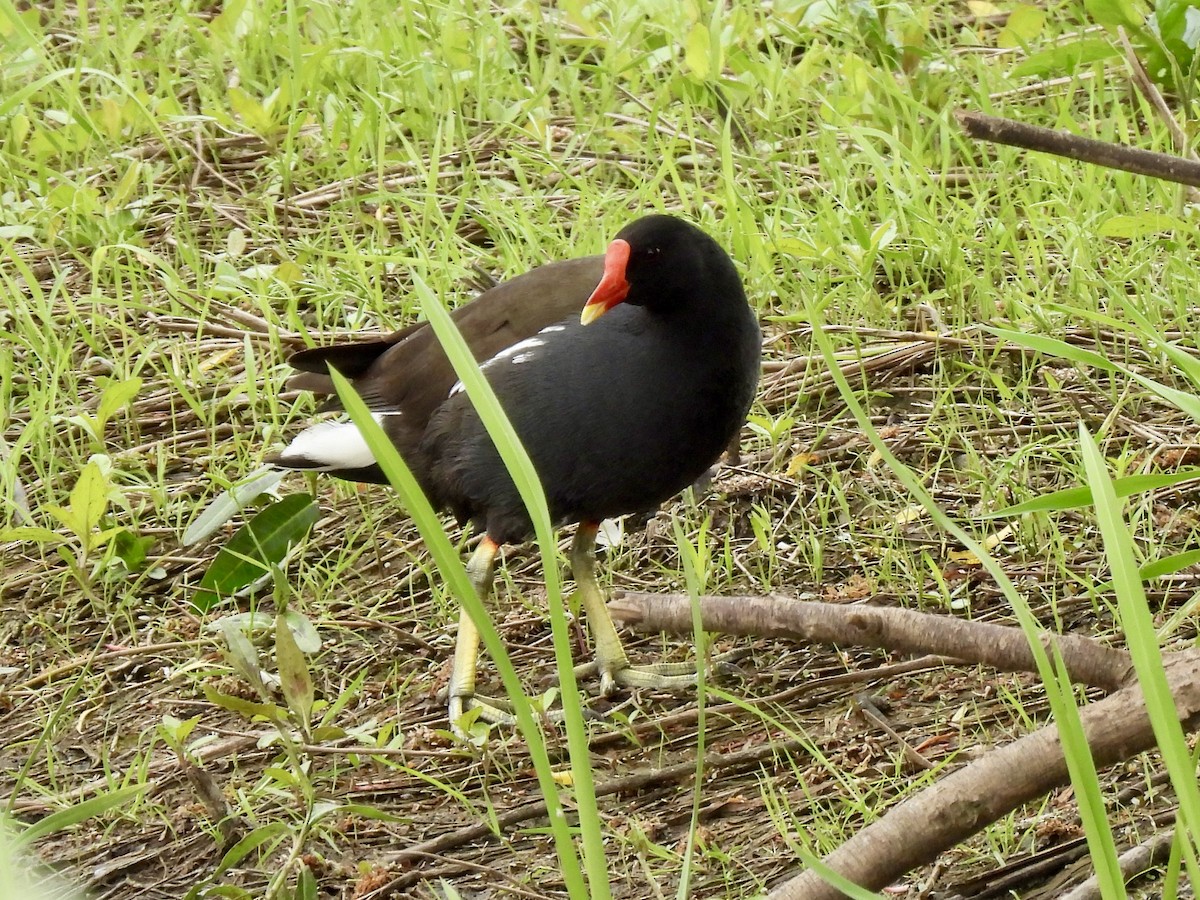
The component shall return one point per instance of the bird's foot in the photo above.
(669, 677)
(467, 709)
(658, 677)
(497, 711)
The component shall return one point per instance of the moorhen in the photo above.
(619, 408)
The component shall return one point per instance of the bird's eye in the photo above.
(652, 252)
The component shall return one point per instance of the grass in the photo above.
(190, 192)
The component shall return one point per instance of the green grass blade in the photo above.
(520, 467)
(1080, 497)
(1058, 689)
(455, 574)
(1142, 639)
(79, 812)
(1189, 403)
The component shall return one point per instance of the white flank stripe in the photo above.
(521, 351)
(520, 347)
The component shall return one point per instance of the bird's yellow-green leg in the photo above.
(611, 661)
(481, 568)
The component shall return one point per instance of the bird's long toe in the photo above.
(490, 709)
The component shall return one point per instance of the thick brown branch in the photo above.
(901, 630)
(966, 801)
(1073, 146)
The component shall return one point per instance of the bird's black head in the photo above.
(664, 264)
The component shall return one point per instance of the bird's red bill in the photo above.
(613, 287)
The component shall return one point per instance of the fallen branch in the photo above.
(916, 830)
(1151, 852)
(1074, 146)
(1004, 648)
(1147, 88)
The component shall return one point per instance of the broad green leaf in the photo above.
(1069, 57)
(252, 113)
(116, 396)
(232, 23)
(131, 549)
(697, 52)
(89, 500)
(31, 533)
(259, 546)
(1168, 44)
(1024, 24)
(1113, 13)
(241, 653)
(176, 731)
(246, 622)
(306, 883)
(1140, 225)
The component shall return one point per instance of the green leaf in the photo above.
(303, 630)
(242, 655)
(247, 622)
(370, 812)
(270, 711)
(1183, 360)
(1168, 45)
(250, 843)
(1024, 24)
(80, 812)
(131, 549)
(228, 503)
(33, 532)
(89, 500)
(1055, 347)
(176, 731)
(1113, 13)
(451, 567)
(1188, 403)
(1169, 565)
(1070, 57)
(1137, 623)
(306, 883)
(116, 396)
(252, 113)
(293, 673)
(1140, 225)
(697, 52)
(258, 547)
